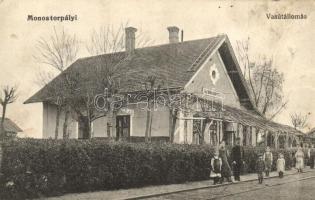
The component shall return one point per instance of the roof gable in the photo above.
(233, 69)
(232, 66)
(218, 89)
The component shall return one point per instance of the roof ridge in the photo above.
(204, 53)
(148, 47)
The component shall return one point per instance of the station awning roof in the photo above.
(248, 118)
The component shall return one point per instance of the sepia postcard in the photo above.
(157, 99)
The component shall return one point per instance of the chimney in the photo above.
(130, 39)
(173, 34)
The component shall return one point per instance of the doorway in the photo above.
(197, 131)
(83, 128)
(123, 127)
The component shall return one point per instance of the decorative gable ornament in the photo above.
(214, 73)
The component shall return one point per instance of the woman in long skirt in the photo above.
(299, 157)
(226, 169)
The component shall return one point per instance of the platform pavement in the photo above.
(151, 191)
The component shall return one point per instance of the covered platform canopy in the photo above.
(248, 118)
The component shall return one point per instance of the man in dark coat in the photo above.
(237, 159)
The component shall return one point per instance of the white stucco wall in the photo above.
(160, 121)
(184, 133)
(49, 122)
(100, 127)
(223, 85)
(138, 117)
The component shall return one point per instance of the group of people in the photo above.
(264, 164)
(221, 169)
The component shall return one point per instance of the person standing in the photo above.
(312, 157)
(293, 164)
(216, 166)
(299, 157)
(281, 165)
(226, 169)
(307, 154)
(237, 154)
(268, 158)
(260, 168)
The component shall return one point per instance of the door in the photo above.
(123, 127)
(197, 131)
(83, 128)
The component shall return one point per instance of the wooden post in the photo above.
(241, 134)
(221, 130)
(201, 137)
(218, 133)
(266, 137)
(233, 135)
(276, 140)
(254, 136)
(207, 133)
(286, 145)
(0, 157)
(171, 124)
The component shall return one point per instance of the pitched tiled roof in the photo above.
(172, 64)
(10, 126)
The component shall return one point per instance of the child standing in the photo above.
(268, 158)
(299, 157)
(216, 166)
(260, 168)
(281, 165)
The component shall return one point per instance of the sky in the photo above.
(289, 42)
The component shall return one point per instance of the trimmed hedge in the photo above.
(43, 167)
(34, 168)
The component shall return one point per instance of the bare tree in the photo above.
(107, 70)
(57, 51)
(110, 39)
(151, 87)
(299, 120)
(8, 96)
(264, 80)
